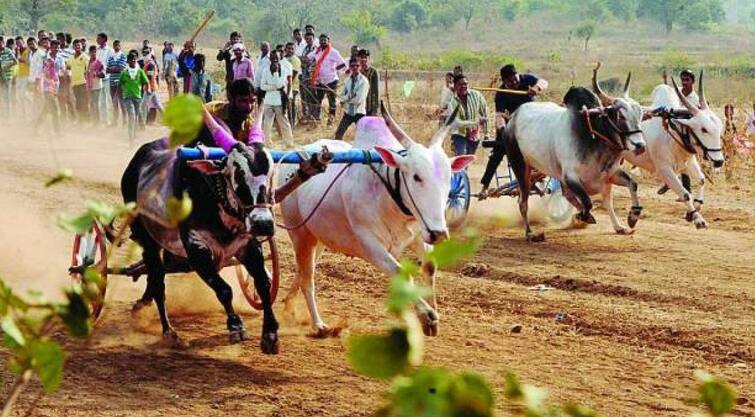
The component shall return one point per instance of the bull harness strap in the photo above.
(393, 191)
(596, 134)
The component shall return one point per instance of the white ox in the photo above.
(670, 153)
(359, 216)
(580, 145)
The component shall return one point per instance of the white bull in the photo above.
(669, 153)
(372, 212)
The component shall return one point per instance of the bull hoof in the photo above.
(697, 204)
(139, 305)
(634, 216)
(536, 237)
(700, 222)
(624, 231)
(430, 323)
(326, 332)
(430, 329)
(690, 215)
(173, 341)
(237, 335)
(587, 218)
(269, 343)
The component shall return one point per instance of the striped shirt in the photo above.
(475, 109)
(116, 59)
(7, 62)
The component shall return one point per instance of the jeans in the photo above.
(49, 107)
(82, 101)
(6, 98)
(345, 123)
(133, 109)
(330, 91)
(277, 113)
(292, 108)
(172, 83)
(464, 146)
(118, 106)
(94, 105)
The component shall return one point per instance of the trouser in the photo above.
(187, 84)
(104, 102)
(118, 106)
(6, 98)
(66, 99)
(330, 91)
(292, 108)
(345, 123)
(133, 110)
(277, 113)
(50, 107)
(172, 83)
(22, 94)
(307, 98)
(82, 101)
(464, 146)
(496, 156)
(94, 105)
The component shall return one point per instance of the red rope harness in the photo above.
(597, 134)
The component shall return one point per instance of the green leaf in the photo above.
(578, 410)
(76, 315)
(422, 394)
(408, 269)
(470, 396)
(512, 389)
(12, 331)
(379, 356)
(402, 294)
(183, 116)
(415, 337)
(715, 394)
(453, 250)
(79, 224)
(105, 212)
(65, 174)
(178, 210)
(47, 361)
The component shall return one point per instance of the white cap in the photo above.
(239, 46)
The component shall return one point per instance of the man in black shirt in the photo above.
(506, 104)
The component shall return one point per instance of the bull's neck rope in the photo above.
(602, 137)
(683, 138)
(218, 185)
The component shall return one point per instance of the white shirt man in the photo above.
(273, 81)
(353, 98)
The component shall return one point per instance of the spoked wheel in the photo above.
(90, 250)
(270, 252)
(459, 198)
(559, 208)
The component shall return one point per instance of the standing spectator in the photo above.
(170, 69)
(35, 69)
(52, 66)
(201, 84)
(77, 67)
(116, 63)
(186, 65)
(22, 76)
(472, 116)
(373, 96)
(226, 54)
(353, 98)
(241, 66)
(8, 62)
(354, 52)
(299, 42)
(294, 84)
(306, 91)
(37, 60)
(263, 61)
(327, 62)
(95, 74)
(104, 52)
(273, 82)
(446, 97)
(132, 80)
(150, 101)
(309, 29)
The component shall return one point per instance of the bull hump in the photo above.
(372, 131)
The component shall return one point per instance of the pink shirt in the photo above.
(328, 72)
(243, 69)
(94, 70)
(51, 70)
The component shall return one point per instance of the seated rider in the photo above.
(506, 104)
(236, 113)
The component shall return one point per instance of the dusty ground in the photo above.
(641, 312)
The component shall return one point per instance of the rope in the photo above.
(319, 203)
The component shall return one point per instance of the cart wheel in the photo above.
(559, 208)
(90, 250)
(459, 196)
(247, 283)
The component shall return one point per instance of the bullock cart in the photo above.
(91, 249)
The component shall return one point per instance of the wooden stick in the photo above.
(202, 25)
(387, 94)
(502, 90)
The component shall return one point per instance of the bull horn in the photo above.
(397, 132)
(627, 84)
(605, 99)
(701, 93)
(692, 109)
(447, 126)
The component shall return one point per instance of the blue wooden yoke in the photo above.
(353, 156)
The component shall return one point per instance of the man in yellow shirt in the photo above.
(77, 65)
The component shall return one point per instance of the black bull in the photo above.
(220, 226)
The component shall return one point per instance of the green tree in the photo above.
(694, 14)
(408, 16)
(586, 32)
(363, 27)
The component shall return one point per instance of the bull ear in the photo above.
(206, 166)
(458, 163)
(390, 158)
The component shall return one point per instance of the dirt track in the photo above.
(641, 312)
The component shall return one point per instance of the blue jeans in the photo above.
(464, 146)
(133, 109)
